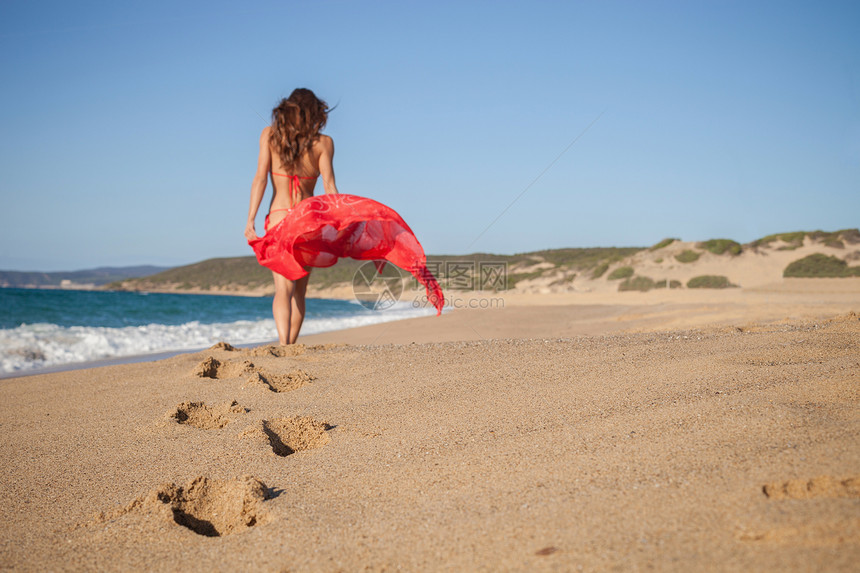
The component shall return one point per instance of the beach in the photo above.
(706, 430)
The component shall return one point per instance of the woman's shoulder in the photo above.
(266, 135)
(324, 143)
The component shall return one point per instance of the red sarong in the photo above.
(320, 230)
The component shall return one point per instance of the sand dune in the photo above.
(755, 266)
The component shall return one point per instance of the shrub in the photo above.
(675, 284)
(514, 278)
(850, 235)
(795, 238)
(720, 246)
(563, 280)
(620, 273)
(688, 256)
(598, 272)
(663, 243)
(577, 258)
(709, 281)
(658, 261)
(836, 239)
(819, 265)
(637, 283)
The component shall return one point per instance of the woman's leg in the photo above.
(282, 306)
(297, 314)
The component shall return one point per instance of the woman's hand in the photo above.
(250, 233)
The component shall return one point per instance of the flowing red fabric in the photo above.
(320, 230)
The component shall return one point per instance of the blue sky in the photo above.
(128, 131)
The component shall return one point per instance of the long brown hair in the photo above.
(296, 124)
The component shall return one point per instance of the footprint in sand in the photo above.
(201, 416)
(216, 369)
(823, 486)
(286, 436)
(291, 350)
(280, 382)
(278, 351)
(807, 524)
(205, 506)
(267, 350)
(275, 350)
(211, 367)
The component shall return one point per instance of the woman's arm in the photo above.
(258, 187)
(325, 165)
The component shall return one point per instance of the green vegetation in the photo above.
(819, 265)
(580, 259)
(791, 238)
(599, 271)
(514, 278)
(637, 283)
(232, 273)
(563, 280)
(342, 272)
(239, 271)
(688, 256)
(599, 259)
(663, 243)
(836, 239)
(644, 284)
(720, 246)
(620, 273)
(244, 273)
(709, 281)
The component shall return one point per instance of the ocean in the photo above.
(51, 328)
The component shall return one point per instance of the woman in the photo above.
(303, 231)
(295, 154)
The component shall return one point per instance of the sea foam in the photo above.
(36, 346)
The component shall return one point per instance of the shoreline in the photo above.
(582, 314)
(343, 291)
(115, 361)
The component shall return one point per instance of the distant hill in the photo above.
(221, 275)
(671, 263)
(244, 275)
(71, 279)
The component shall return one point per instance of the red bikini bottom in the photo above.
(320, 230)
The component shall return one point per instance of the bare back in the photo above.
(282, 178)
(293, 185)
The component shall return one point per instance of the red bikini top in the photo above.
(294, 184)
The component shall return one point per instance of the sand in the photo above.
(681, 431)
